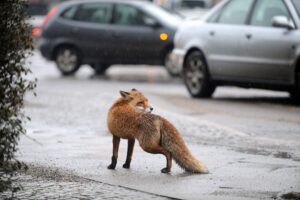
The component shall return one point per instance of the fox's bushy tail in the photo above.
(173, 142)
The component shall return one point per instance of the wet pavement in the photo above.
(68, 132)
(49, 183)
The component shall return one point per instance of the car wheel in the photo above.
(170, 67)
(196, 76)
(67, 60)
(100, 69)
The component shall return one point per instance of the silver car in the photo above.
(248, 43)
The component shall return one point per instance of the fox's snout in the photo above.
(146, 109)
(149, 109)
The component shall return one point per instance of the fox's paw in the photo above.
(126, 165)
(165, 170)
(111, 166)
(113, 163)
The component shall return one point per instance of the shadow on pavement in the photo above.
(270, 100)
(138, 78)
(137, 73)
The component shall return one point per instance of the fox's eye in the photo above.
(140, 103)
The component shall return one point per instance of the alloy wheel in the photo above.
(196, 77)
(67, 60)
(194, 74)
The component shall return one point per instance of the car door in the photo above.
(268, 51)
(134, 41)
(224, 36)
(91, 30)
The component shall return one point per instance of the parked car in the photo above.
(249, 43)
(102, 33)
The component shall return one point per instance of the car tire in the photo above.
(67, 60)
(170, 67)
(100, 69)
(196, 76)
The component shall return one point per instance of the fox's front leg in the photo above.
(116, 142)
(129, 153)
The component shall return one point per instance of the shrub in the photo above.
(15, 47)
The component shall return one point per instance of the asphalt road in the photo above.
(250, 139)
(255, 112)
(265, 116)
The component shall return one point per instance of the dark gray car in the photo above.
(102, 33)
(250, 43)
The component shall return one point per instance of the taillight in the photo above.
(49, 15)
(36, 31)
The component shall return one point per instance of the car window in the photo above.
(69, 13)
(189, 4)
(129, 15)
(297, 6)
(235, 12)
(265, 10)
(215, 16)
(95, 13)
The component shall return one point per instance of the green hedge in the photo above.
(15, 46)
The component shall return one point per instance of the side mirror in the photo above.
(151, 22)
(282, 22)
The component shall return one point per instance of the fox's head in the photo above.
(137, 100)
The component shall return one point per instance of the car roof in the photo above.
(133, 2)
(142, 4)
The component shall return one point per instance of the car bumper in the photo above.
(177, 58)
(46, 48)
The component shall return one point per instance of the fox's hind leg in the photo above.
(116, 142)
(161, 150)
(129, 153)
(168, 157)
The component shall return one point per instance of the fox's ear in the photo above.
(125, 95)
(133, 89)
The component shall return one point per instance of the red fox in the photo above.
(130, 118)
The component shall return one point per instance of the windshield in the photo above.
(297, 6)
(168, 18)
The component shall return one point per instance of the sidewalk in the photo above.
(46, 183)
(232, 175)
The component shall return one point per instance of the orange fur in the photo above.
(154, 133)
